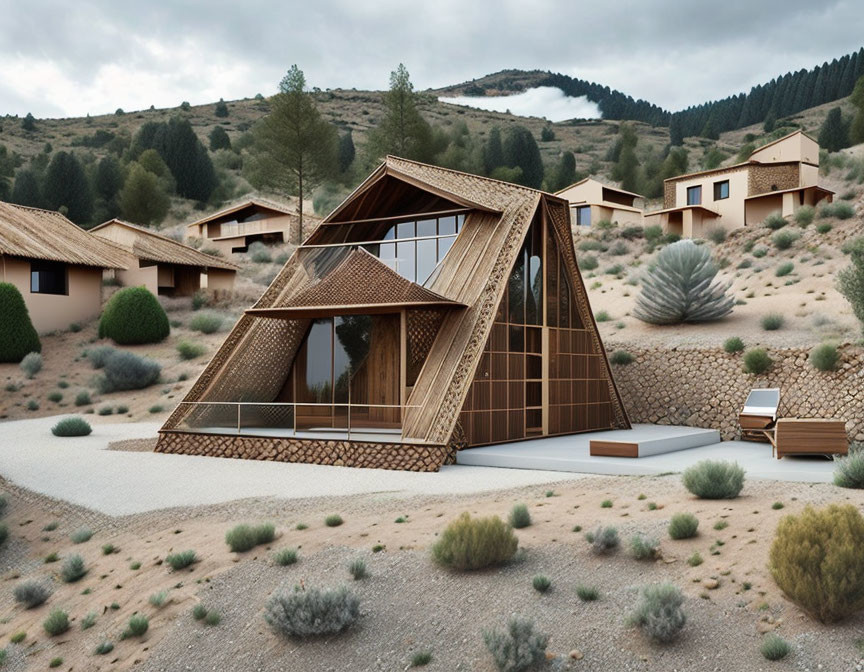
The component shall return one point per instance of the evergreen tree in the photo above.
(626, 168)
(834, 132)
(26, 190)
(493, 152)
(108, 179)
(219, 139)
(66, 186)
(142, 199)
(565, 172)
(709, 130)
(8, 162)
(346, 151)
(676, 134)
(403, 131)
(856, 132)
(28, 123)
(770, 122)
(520, 151)
(221, 109)
(296, 149)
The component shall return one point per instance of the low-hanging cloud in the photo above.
(541, 101)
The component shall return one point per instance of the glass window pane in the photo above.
(534, 306)
(426, 227)
(516, 291)
(694, 195)
(405, 230)
(391, 233)
(460, 221)
(444, 245)
(316, 358)
(427, 259)
(405, 260)
(350, 349)
(446, 225)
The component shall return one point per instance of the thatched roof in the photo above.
(263, 203)
(44, 234)
(151, 246)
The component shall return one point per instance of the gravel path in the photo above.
(82, 471)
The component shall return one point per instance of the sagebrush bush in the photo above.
(681, 287)
(57, 623)
(621, 358)
(188, 350)
(683, 526)
(850, 280)
(103, 648)
(519, 516)
(518, 647)
(333, 520)
(83, 398)
(716, 235)
(474, 543)
(587, 593)
(259, 253)
(660, 613)
(133, 316)
(242, 538)
(17, 335)
(757, 360)
(775, 221)
(541, 583)
(75, 426)
(805, 215)
(839, 209)
(817, 560)
(774, 647)
(73, 569)
(206, 323)
(603, 540)
(4, 533)
(714, 480)
(588, 262)
(31, 593)
(733, 344)
(784, 269)
(285, 557)
(31, 364)
(644, 548)
(159, 599)
(98, 356)
(849, 470)
(421, 658)
(181, 560)
(312, 612)
(137, 626)
(772, 321)
(783, 239)
(128, 371)
(824, 357)
(357, 569)
(81, 535)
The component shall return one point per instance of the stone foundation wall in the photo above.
(404, 457)
(707, 388)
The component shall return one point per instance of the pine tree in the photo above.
(565, 172)
(856, 132)
(520, 151)
(66, 186)
(403, 131)
(834, 132)
(219, 139)
(346, 151)
(676, 134)
(221, 109)
(108, 179)
(626, 168)
(770, 122)
(142, 199)
(296, 150)
(493, 151)
(26, 190)
(187, 159)
(28, 123)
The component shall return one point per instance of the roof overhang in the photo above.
(682, 208)
(307, 312)
(819, 190)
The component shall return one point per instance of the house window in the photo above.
(583, 215)
(48, 277)
(721, 190)
(694, 195)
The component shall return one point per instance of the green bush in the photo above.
(475, 543)
(817, 560)
(242, 538)
(840, 210)
(541, 583)
(772, 321)
(587, 593)
(775, 221)
(189, 350)
(103, 648)
(850, 280)
(333, 520)
(357, 569)
(260, 253)
(57, 623)
(212, 618)
(849, 470)
(774, 647)
(159, 599)
(421, 658)
(824, 357)
(757, 360)
(823, 228)
(783, 239)
(133, 316)
(31, 594)
(83, 398)
(206, 323)
(588, 263)
(98, 356)
(128, 371)
(683, 526)
(644, 548)
(55, 397)
(602, 316)
(520, 517)
(312, 612)
(17, 335)
(733, 345)
(760, 252)
(784, 269)
(73, 569)
(75, 426)
(31, 364)
(621, 358)
(603, 540)
(285, 557)
(81, 535)
(182, 560)
(714, 480)
(138, 625)
(660, 613)
(518, 648)
(717, 235)
(805, 215)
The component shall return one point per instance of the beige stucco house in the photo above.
(56, 265)
(234, 228)
(592, 201)
(778, 177)
(162, 265)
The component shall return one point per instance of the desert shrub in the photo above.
(619, 248)
(18, 637)
(242, 538)
(57, 623)
(98, 356)
(824, 357)
(602, 316)
(805, 215)
(587, 593)
(81, 535)
(55, 662)
(775, 221)
(733, 344)
(137, 626)
(683, 526)
(133, 316)
(181, 560)
(621, 358)
(519, 516)
(421, 658)
(757, 360)
(73, 569)
(695, 560)
(681, 287)
(105, 410)
(660, 613)
(849, 470)
(357, 569)
(644, 548)
(541, 583)
(260, 253)
(772, 321)
(784, 269)
(199, 612)
(474, 543)
(206, 323)
(88, 621)
(774, 647)
(75, 426)
(159, 599)
(128, 371)
(603, 540)
(333, 520)
(17, 335)
(717, 235)
(83, 398)
(212, 618)
(783, 239)
(103, 648)
(312, 612)
(31, 593)
(840, 210)
(823, 228)
(55, 397)
(714, 480)
(32, 405)
(817, 560)
(588, 263)
(189, 350)
(285, 557)
(517, 648)
(590, 245)
(760, 252)
(31, 364)
(850, 280)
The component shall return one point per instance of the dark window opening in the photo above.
(48, 277)
(721, 190)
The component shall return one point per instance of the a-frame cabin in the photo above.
(432, 311)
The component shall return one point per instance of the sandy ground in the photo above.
(408, 603)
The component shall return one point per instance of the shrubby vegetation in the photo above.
(133, 316)
(243, 538)
(660, 613)
(127, 371)
(849, 470)
(312, 612)
(850, 280)
(519, 516)
(603, 540)
(17, 335)
(475, 543)
(31, 593)
(517, 648)
(824, 357)
(714, 480)
(757, 360)
(683, 526)
(75, 426)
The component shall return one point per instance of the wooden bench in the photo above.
(810, 436)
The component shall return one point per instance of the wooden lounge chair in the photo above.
(759, 414)
(810, 436)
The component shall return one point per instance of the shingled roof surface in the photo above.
(44, 234)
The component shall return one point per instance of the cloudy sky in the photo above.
(62, 58)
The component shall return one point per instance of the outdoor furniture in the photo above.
(810, 436)
(759, 414)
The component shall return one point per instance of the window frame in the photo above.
(696, 189)
(718, 186)
(38, 266)
(579, 210)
